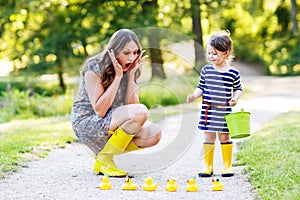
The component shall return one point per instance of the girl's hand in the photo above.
(232, 102)
(190, 98)
(138, 62)
(118, 68)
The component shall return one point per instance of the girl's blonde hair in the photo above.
(117, 42)
(222, 41)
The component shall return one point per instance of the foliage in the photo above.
(284, 58)
(41, 88)
(271, 158)
(26, 140)
(171, 91)
(16, 104)
(56, 36)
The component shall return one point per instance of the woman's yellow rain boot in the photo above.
(132, 147)
(208, 151)
(116, 144)
(227, 159)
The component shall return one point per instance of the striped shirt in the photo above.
(217, 88)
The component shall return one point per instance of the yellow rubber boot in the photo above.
(131, 147)
(208, 151)
(227, 159)
(115, 145)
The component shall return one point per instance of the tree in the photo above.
(197, 30)
(294, 17)
(150, 10)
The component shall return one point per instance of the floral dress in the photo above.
(89, 128)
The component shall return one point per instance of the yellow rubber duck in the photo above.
(149, 185)
(191, 186)
(105, 184)
(128, 185)
(217, 185)
(172, 185)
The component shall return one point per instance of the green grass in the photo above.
(272, 158)
(25, 140)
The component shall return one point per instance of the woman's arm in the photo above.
(132, 96)
(132, 87)
(101, 100)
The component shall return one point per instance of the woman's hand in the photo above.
(138, 62)
(118, 68)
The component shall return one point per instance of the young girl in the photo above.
(220, 88)
(107, 116)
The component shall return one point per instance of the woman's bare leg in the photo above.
(132, 119)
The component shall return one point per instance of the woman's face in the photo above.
(216, 57)
(128, 54)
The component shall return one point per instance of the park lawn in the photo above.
(25, 140)
(272, 158)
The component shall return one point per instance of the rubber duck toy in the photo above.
(128, 185)
(149, 185)
(172, 185)
(105, 184)
(217, 185)
(191, 185)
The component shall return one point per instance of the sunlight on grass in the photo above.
(272, 157)
(24, 140)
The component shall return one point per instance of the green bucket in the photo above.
(238, 124)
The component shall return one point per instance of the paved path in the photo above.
(67, 173)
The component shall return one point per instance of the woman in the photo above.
(106, 115)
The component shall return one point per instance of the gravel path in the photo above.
(68, 173)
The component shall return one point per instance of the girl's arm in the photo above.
(101, 100)
(236, 96)
(195, 95)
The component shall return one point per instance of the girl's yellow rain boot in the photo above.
(227, 159)
(116, 144)
(208, 151)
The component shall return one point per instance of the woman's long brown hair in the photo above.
(117, 42)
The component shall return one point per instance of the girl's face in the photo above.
(217, 58)
(128, 54)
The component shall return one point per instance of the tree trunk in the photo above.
(197, 30)
(150, 9)
(156, 58)
(60, 72)
(294, 17)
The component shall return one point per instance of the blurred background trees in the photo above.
(55, 36)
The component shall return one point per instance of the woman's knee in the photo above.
(139, 114)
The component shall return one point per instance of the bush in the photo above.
(15, 104)
(41, 88)
(171, 91)
(285, 56)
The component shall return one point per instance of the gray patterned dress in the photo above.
(89, 128)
